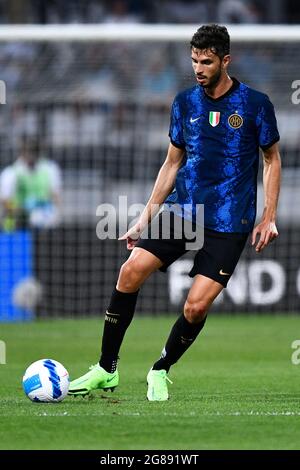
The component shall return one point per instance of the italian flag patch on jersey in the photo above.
(214, 118)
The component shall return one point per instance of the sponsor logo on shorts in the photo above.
(223, 273)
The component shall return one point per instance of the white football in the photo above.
(46, 380)
(28, 293)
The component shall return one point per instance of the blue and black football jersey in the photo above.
(221, 138)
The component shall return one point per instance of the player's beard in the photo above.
(214, 80)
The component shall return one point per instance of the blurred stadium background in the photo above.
(100, 109)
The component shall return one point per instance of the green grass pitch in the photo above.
(236, 388)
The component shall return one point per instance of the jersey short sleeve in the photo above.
(266, 124)
(176, 125)
(55, 177)
(7, 183)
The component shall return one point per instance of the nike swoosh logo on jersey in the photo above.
(194, 120)
(223, 274)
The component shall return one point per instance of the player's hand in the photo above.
(267, 232)
(132, 236)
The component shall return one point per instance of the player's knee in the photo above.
(195, 311)
(130, 277)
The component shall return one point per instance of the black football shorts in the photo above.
(216, 259)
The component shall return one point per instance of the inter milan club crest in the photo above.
(214, 118)
(235, 121)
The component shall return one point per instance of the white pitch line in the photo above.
(216, 414)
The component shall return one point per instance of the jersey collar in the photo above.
(234, 86)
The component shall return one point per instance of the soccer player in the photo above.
(30, 189)
(216, 130)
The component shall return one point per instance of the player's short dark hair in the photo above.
(31, 145)
(213, 37)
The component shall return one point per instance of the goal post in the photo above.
(97, 98)
(144, 32)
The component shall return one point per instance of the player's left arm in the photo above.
(56, 183)
(266, 229)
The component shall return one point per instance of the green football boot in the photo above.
(96, 378)
(157, 385)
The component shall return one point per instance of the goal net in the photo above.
(97, 100)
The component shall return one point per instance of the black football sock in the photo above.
(182, 335)
(117, 319)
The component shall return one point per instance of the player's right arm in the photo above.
(164, 184)
(8, 189)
